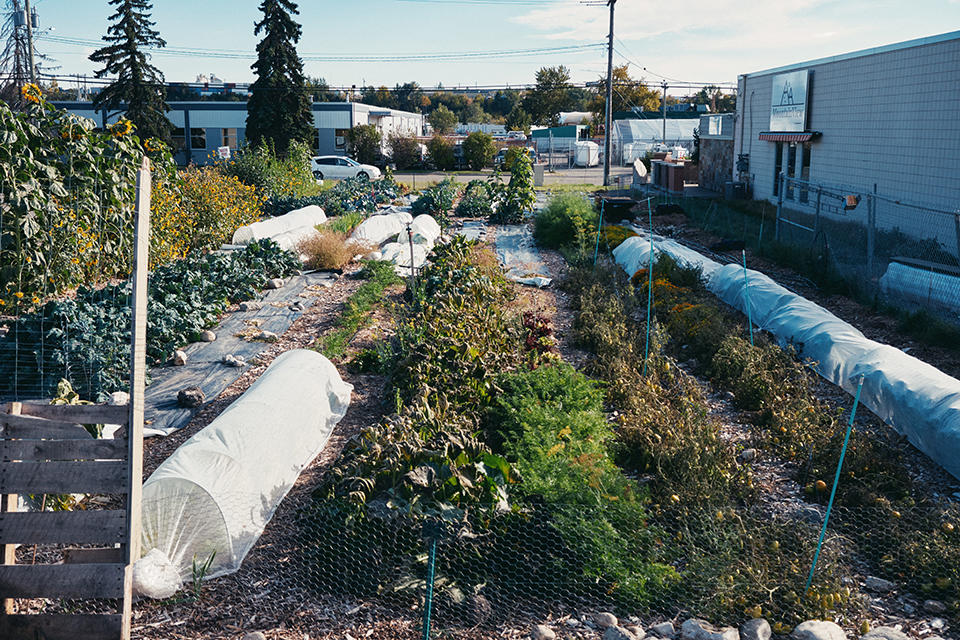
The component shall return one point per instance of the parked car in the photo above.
(339, 167)
(517, 135)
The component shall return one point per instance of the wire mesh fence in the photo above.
(478, 573)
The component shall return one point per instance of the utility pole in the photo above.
(608, 117)
(33, 67)
(664, 140)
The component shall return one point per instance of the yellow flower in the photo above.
(35, 300)
(121, 128)
(31, 92)
(18, 294)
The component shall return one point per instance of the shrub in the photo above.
(275, 177)
(440, 153)
(437, 201)
(363, 143)
(67, 195)
(477, 201)
(442, 119)
(329, 250)
(215, 205)
(519, 197)
(566, 221)
(478, 150)
(405, 151)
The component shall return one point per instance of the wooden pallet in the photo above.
(44, 449)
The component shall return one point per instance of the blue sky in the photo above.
(694, 40)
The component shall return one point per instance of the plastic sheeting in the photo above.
(379, 228)
(303, 220)
(915, 398)
(924, 287)
(217, 492)
(519, 256)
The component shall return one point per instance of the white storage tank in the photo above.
(587, 154)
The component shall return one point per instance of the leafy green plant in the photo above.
(437, 201)
(519, 197)
(198, 572)
(271, 174)
(566, 221)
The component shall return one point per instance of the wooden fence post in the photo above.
(11, 503)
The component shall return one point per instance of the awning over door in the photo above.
(802, 136)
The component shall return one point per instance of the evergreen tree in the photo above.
(139, 85)
(279, 107)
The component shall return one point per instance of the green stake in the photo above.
(836, 480)
(746, 295)
(646, 348)
(596, 249)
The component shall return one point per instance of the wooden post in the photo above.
(11, 503)
(138, 353)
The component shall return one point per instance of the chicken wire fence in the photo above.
(905, 254)
(334, 567)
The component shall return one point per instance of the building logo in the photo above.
(788, 108)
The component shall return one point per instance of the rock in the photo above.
(663, 630)
(251, 305)
(296, 306)
(572, 622)
(119, 398)
(373, 256)
(275, 283)
(636, 630)
(885, 633)
(190, 397)
(254, 635)
(934, 606)
(747, 455)
(234, 361)
(542, 632)
(878, 585)
(694, 629)
(938, 623)
(618, 633)
(606, 620)
(818, 630)
(208, 336)
(267, 336)
(179, 358)
(756, 629)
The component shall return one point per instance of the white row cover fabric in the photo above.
(217, 492)
(379, 228)
(922, 286)
(309, 217)
(915, 398)
(399, 254)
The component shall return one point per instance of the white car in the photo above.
(339, 167)
(517, 135)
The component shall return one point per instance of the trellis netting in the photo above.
(915, 398)
(213, 497)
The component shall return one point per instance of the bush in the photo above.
(67, 196)
(566, 221)
(437, 201)
(330, 250)
(478, 199)
(478, 150)
(273, 176)
(363, 144)
(405, 151)
(440, 153)
(519, 197)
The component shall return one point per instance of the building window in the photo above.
(777, 167)
(341, 138)
(805, 171)
(230, 138)
(198, 139)
(791, 168)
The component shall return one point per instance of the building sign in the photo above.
(223, 152)
(714, 125)
(788, 101)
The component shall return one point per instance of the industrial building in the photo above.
(884, 120)
(212, 125)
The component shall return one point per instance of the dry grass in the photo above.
(330, 250)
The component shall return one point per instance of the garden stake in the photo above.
(413, 275)
(746, 295)
(836, 479)
(599, 226)
(646, 347)
(429, 602)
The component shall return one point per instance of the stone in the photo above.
(119, 398)
(747, 455)
(663, 630)
(818, 630)
(234, 361)
(756, 629)
(179, 358)
(878, 585)
(885, 633)
(267, 336)
(208, 336)
(938, 623)
(636, 630)
(618, 633)
(572, 622)
(275, 283)
(190, 397)
(296, 306)
(934, 606)
(694, 629)
(251, 305)
(373, 256)
(254, 635)
(606, 620)
(542, 632)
